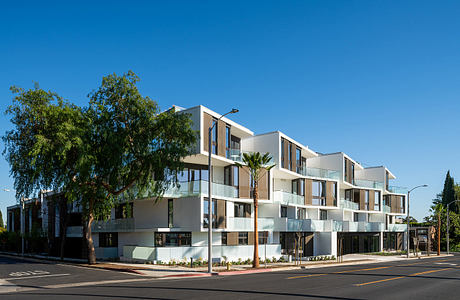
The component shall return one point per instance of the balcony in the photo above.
(397, 189)
(320, 173)
(286, 198)
(349, 226)
(117, 225)
(386, 209)
(348, 204)
(237, 155)
(369, 184)
(303, 225)
(247, 224)
(200, 187)
(397, 227)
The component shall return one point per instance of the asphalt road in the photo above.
(433, 278)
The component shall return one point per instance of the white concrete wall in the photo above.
(375, 174)
(201, 239)
(313, 213)
(329, 162)
(269, 210)
(335, 214)
(187, 213)
(283, 185)
(263, 143)
(148, 214)
(325, 243)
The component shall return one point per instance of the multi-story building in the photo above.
(322, 202)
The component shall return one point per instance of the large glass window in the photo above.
(205, 213)
(170, 213)
(108, 239)
(242, 210)
(173, 239)
(290, 156)
(376, 200)
(124, 211)
(263, 237)
(334, 193)
(322, 214)
(319, 193)
(301, 213)
(402, 204)
(282, 153)
(298, 158)
(243, 238)
(224, 238)
(366, 200)
(227, 142)
(283, 212)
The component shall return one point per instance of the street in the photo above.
(432, 278)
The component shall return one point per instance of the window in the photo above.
(366, 200)
(170, 213)
(334, 193)
(213, 212)
(376, 200)
(322, 214)
(283, 155)
(263, 237)
(290, 156)
(387, 179)
(355, 217)
(242, 210)
(224, 238)
(173, 239)
(301, 213)
(319, 193)
(402, 204)
(108, 239)
(231, 178)
(236, 180)
(193, 173)
(352, 174)
(298, 159)
(214, 137)
(227, 142)
(295, 187)
(348, 195)
(345, 169)
(283, 211)
(124, 211)
(243, 238)
(298, 187)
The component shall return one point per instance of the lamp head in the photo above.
(234, 111)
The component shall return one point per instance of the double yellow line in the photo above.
(400, 277)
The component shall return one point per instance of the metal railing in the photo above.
(237, 155)
(117, 225)
(386, 209)
(247, 224)
(397, 227)
(200, 187)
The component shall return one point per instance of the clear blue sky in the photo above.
(378, 80)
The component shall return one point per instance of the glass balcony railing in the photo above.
(386, 209)
(320, 173)
(305, 225)
(397, 189)
(116, 225)
(369, 183)
(237, 155)
(349, 226)
(247, 224)
(397, 227)
(348, 204)
(200, 187)
(289, 198)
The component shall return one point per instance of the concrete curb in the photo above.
(228, 273)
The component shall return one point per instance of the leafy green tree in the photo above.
(448, 193)
(256, 163)
(120, 144)
(1, 220)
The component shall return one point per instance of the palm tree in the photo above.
(255, 162)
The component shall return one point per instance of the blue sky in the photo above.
(378, 80)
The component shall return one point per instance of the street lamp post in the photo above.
(448, 224)
(234, 110)
(408, 221)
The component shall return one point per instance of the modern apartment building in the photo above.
(319, 201)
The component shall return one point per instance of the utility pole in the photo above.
(439, 233)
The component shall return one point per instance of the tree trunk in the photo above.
(439, 233)
(63, 219)
(89, 238)
(255, 262)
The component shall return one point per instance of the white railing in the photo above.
(397, 189)
(349, 226)
(386, 209)
(348, 204)
(289, 198)
(320, 173)
(303, 225)
(247, 224)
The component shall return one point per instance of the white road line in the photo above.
(31, 277)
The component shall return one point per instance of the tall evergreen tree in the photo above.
(448, 193)
(1, 219)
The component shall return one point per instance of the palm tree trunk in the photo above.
(255, 262)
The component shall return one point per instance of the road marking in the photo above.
(446, 264)
(399, 277)
(348, 271)
(31, 277)
(28, 273)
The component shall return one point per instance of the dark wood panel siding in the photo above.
(244, 184)
(293, 161)
(207, 122)
(221, 213)
(221, 125)
(232, 238)
(371, 199)
(251, 238)
(286, 148)
(329, 195)
(308, 191)
(264, 184)
(362, 205)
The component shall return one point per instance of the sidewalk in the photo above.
(165, 271)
